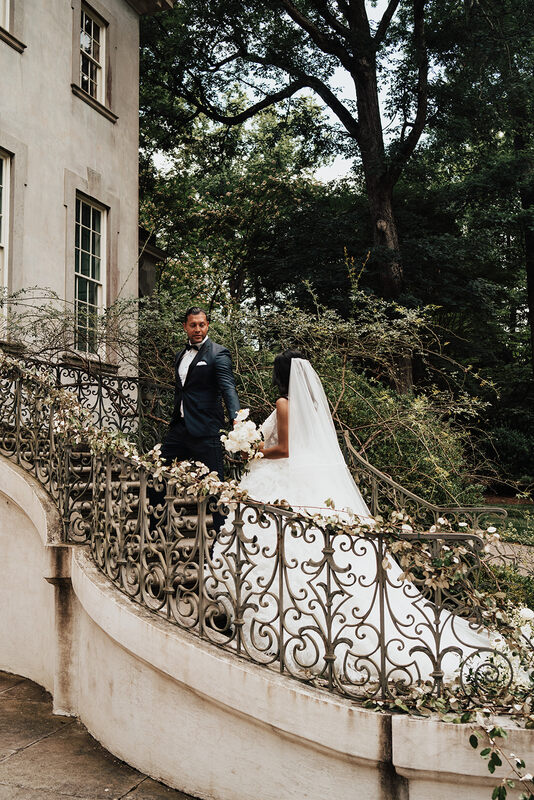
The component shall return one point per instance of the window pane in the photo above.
(1, 189)
(86, 240)
(85, 263)
(91, 43)
(81, 289)
(3, 209)
(96, 269)
(93, 294)
(86, 215)
(88, 271)
(85, 42)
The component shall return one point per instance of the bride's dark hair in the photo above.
(282, 368)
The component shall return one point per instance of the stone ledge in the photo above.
(76, 90)
(324, 720)
(26, 491)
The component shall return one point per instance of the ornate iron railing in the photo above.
(325, 606)
(383, 495)
(139, 408)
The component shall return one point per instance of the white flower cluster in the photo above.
(245, 437)
(520, 657)
(523, 619)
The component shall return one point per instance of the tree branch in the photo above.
(325, 43)
(213, 113)
(343, 114)
(325, 93)
(330, 19)
(385, 22)
(359, 21)
(407, 147)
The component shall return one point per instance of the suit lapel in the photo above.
(203, 350)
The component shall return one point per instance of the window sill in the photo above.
(13, 348)
(94, 103)
(12, 41)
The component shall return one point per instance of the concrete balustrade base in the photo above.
(183, 711)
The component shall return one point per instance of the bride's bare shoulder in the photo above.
(282, 405)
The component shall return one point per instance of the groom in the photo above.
(203, 376)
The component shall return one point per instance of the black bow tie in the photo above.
(192, 346)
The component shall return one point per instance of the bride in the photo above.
(324, 603)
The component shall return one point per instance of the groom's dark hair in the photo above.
(195, 310)
(282, 369)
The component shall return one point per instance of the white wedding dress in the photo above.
(312, 599)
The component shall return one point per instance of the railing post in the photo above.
(239, 619)
(122, 516)
(381, 576)
(329, 654)
(96, 464)
(202, 503)
(18, 415)
(437, 674)
(66, 450)
(169, 499)
(280, 556)
(142, 523)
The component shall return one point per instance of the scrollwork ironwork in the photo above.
(325, 605)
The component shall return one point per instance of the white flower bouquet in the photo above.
(244, 438)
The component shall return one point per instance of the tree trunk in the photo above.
(385, 237)
(377, 180)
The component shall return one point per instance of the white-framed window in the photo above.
(89, 273)
(5, 164)
(92, 54)
(4, 14)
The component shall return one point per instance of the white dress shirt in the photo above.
(185, 363)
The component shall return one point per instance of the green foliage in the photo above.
(519, 588)
(243, 221)
(519, 525)
(495, 755)
(419, 439)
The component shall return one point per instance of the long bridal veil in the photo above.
(310, 598)
(316, 468)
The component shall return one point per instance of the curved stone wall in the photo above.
(189, 714)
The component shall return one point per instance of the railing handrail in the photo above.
(383, 477)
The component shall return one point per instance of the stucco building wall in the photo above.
(59, 144)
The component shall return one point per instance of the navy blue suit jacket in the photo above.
(209, 380)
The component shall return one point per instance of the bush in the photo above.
(415, 438)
